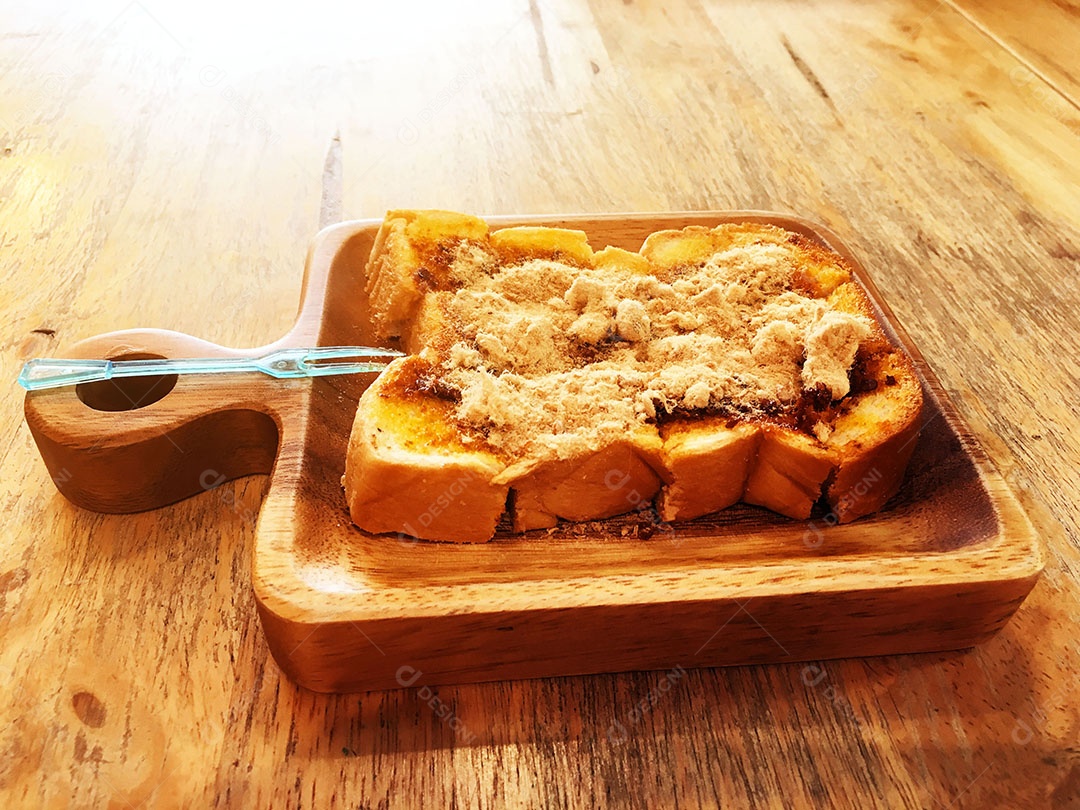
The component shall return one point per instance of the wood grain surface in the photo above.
(163, 167)
(1043, 38)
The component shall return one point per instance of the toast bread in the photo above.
(552, 381)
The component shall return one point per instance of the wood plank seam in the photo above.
(1015, 54)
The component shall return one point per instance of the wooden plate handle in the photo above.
(140, 443)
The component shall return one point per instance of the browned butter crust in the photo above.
(737, 363)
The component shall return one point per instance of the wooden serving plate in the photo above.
(943, 566)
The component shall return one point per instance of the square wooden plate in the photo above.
(943, 566)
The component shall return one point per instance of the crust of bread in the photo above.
(667, 250)
(618, 257)
(533, 241)
(409, 470)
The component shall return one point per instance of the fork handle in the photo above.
(47, 372)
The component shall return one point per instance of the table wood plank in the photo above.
(1045, 36)
(161, 167)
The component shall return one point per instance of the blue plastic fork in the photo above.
(285, 364)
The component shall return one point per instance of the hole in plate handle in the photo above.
(127, 393)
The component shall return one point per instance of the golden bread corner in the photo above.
(409, 472)
(414, 467)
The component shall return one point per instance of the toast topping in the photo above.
(550, 356)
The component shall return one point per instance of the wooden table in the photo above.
(166, 168)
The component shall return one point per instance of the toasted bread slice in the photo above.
(716, 365)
